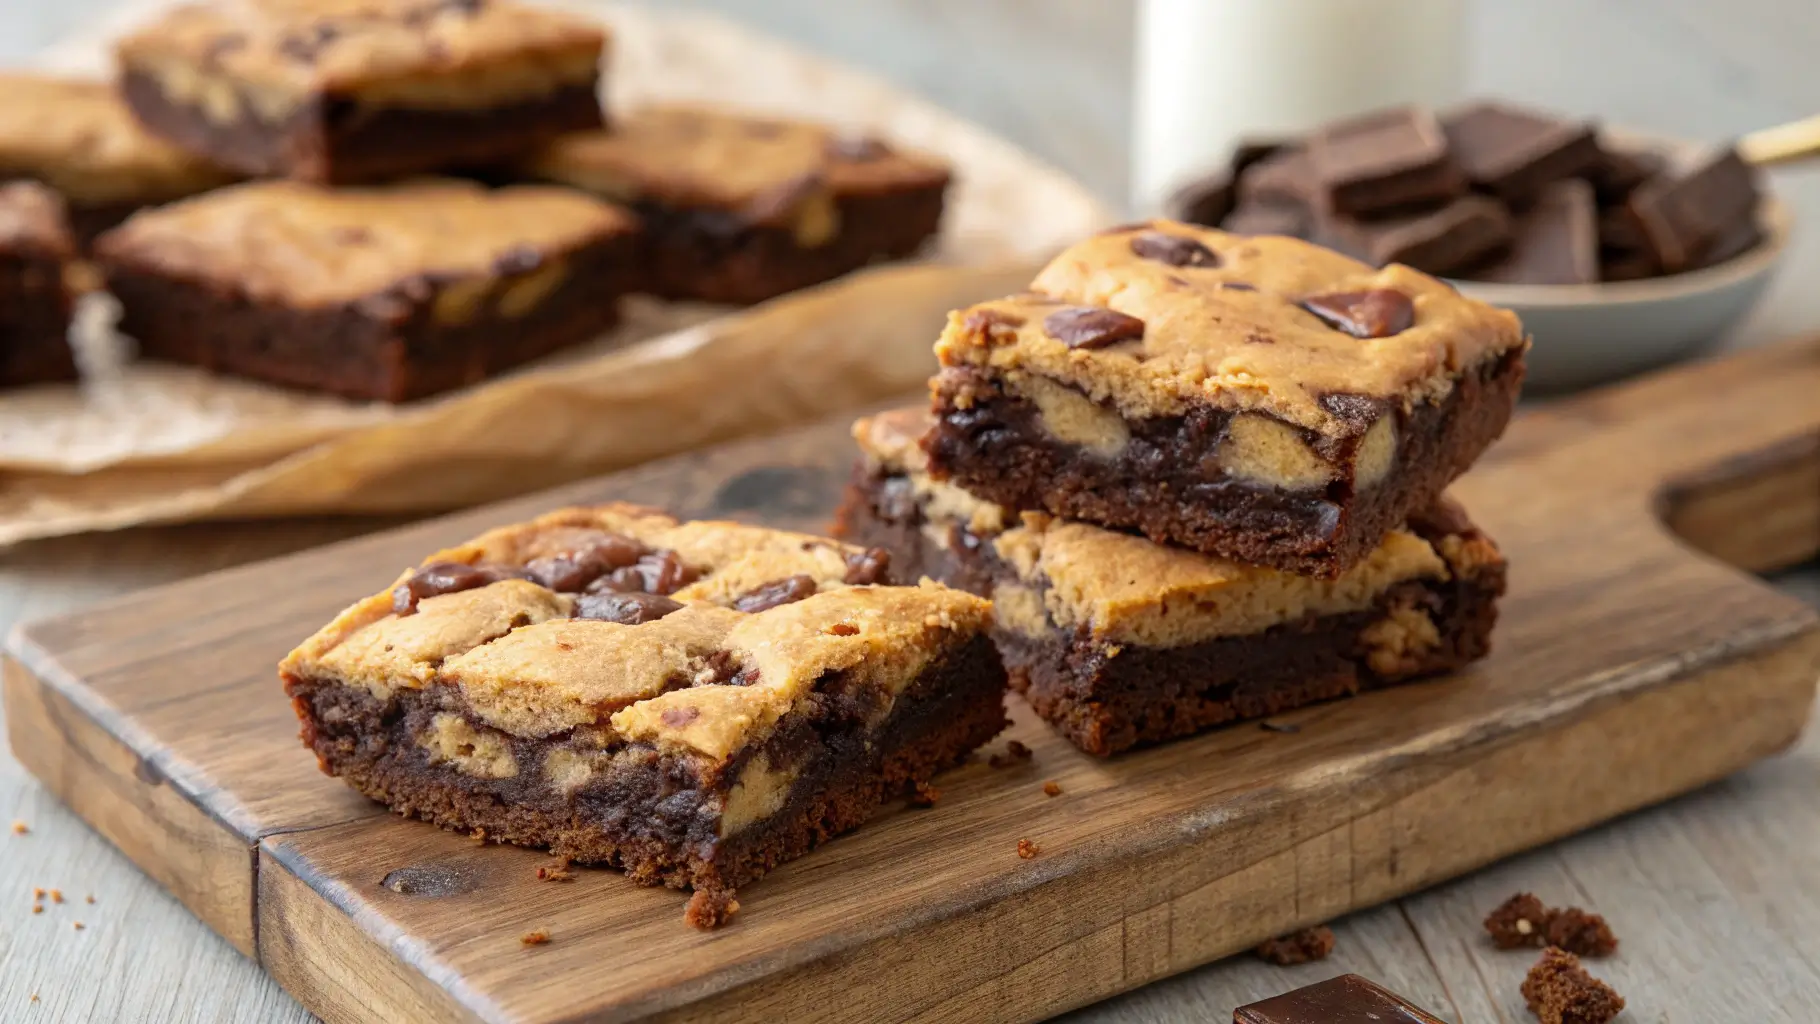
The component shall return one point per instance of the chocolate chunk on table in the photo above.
(740, 208)
(1683, 212)
(1347, 999)
(1514, 153)
(361, 92)
(1120, 642)
(35, 247)
(387, 293)
(639, 741)
(1382, 161)
(1355, 396)
(76, 136)
(1555, 241)
(1439, 241)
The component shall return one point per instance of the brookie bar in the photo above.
(1260, 399)
(693, 702)
(337, 91)
(1118, 641)
(386, 293)
(35, 246)
(740, 208)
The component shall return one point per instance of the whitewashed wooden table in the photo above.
(1716, 896)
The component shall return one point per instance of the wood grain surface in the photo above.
(157, 718)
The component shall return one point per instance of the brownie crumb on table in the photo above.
(924, 795)
(1559, 991)
(21, 828)
(1027, 849)
(710, 908)
(1298, 947)
(1525, 921)
(536, 938)
(1052, 788)
(557, 872)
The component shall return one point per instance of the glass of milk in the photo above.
(1211, 73)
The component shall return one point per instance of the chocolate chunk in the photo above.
(1378, 313)
(518, 260)
(1285, 177)
(857, 148)
(1626, 265)
(1556, 241)
(1735, 241)
(1209, 200)
(1347, 999)
(1237, 286)
(1513, 153)
(1092, 327)
(572, 571)
(1620, 171)
(869, 566)
(630, 608)
(781, 200)
(1382, 161)
(1683, 214)
(1267, 218)
(1356, 411)
(1559, 991)
(306, 44)
(440, 578)
(1439, 241)
(1175, 250)
(655, 572)
(1619, 231)
(788, 590)
(989, 321)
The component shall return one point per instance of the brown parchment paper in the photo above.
(141, 443)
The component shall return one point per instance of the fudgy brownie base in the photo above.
(993, 443)
(34, 321)
(1107, 698)
(718, 256)
(373, 348)
(336, 141)
(644, 815)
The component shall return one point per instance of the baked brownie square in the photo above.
(740, 208)
(696, 702)
(1261, 399)
(79, 138)
(1119, 641)
(35, 246)
(337, 91)
(387, 293)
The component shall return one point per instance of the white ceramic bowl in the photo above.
(1588, 333)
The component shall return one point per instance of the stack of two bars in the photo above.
(1277, 419)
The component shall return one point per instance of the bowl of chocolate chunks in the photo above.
(1619, 251)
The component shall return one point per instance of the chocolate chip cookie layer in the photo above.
(740, 208)
(1118, 641)
(358, 90)
(387, 293)
(1260, 399)
(695, 702)
(35, 246)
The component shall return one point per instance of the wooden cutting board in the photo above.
(1629, 666)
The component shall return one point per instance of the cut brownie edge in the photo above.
(634, 818)
(994, 444)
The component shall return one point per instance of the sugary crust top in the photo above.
(706, 679)
(1124, 588)
(1223, 321)
(305, 245)
(76, 136)
(402, 47)
(31, 217)
(690, 156)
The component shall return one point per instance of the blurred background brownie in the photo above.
(1118, 641)
(386, 293)
(35, 247)
(740, 208)
(358, 90)
(79, 138)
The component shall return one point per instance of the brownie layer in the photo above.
(383, 347)
(338, 141)
(720, 256)
(653, 816)
(1167, 483)
(34, 322)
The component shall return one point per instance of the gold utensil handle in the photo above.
(1797, 140)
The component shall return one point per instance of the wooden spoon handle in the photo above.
(1784, 143)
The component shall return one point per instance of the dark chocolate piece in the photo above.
(1683, 214)
(1743, 236)
(1267, 218)
(1440, 241)
(1513, 153)
(1211, 199)
(1378, 313)
(1175, 250)
(1556, 241)
(1092, 326)
(1347, 999)
(1382, 161)
(1620, 171)
(1285, 177)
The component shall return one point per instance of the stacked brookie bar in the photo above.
(1200, 475)
(357, 277)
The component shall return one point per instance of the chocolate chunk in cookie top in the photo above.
(1091, 327)
(1378, 313)
(1174, 250)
